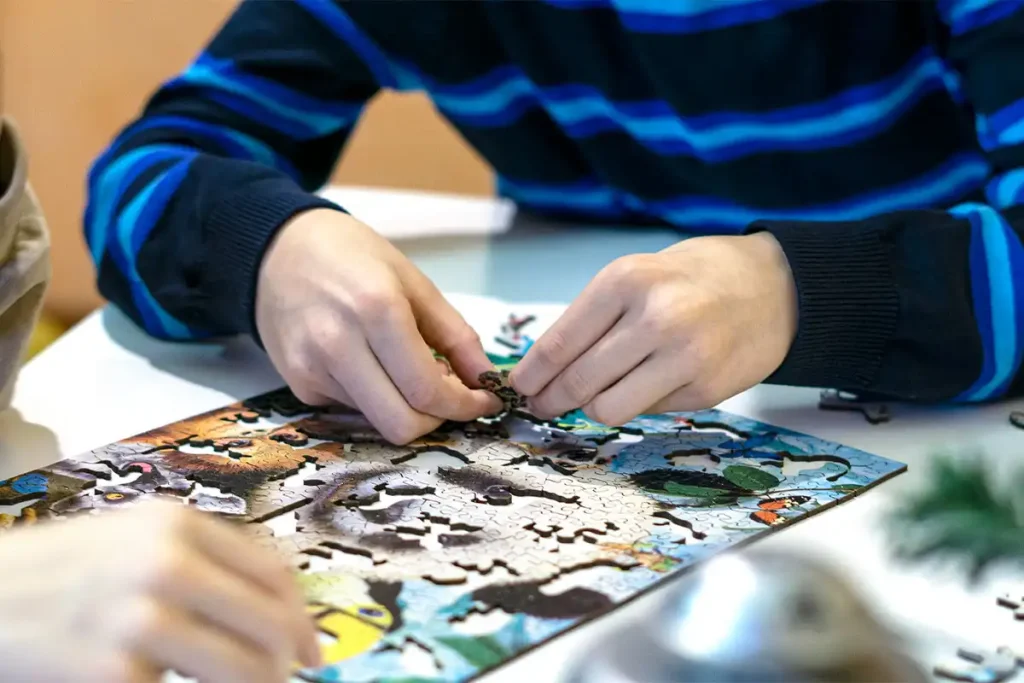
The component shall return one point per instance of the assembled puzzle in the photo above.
(442, 559)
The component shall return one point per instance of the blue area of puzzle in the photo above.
(427, 608)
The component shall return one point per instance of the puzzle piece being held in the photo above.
(496, 382)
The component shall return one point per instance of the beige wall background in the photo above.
(75, 71)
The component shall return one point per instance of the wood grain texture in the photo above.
(76, 72)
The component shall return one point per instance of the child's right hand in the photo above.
(129, 595)
(347, 318)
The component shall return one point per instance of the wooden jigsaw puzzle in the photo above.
(439, 560)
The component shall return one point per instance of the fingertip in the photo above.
(523, 378)
(490, 404)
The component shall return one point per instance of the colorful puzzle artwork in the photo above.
(439, 560)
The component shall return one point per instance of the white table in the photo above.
(105, 380)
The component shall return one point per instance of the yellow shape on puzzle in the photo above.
(345, 613)
(351, 631)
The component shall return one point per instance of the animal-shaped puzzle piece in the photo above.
(496, 382)
(873, 411)
(981, 667)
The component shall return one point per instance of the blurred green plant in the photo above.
(963, 516)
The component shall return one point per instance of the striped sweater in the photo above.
(881, 143)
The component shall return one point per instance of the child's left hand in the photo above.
(683, 329)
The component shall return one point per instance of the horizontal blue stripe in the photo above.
(1003, 128)
(964, 16)
(232, 143)
(938, 188)
(996, 255)
(688, 16)
(111, 185)
(340, 23)
(269, 103)
(1006, 190)
(504, 95)
(137, 220)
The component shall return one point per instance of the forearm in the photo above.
(185, 201)
(917, 305)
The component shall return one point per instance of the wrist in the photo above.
(779, 283)
(847, 300)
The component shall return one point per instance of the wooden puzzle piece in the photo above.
(1013, 602)
(31, 496)
(496, 382)
(874, 412)
(981, 667)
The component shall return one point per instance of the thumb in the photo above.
(447, 332)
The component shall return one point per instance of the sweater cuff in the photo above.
(848, 302)
(241, 228)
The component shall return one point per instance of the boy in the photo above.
(196, 597)
(857, 169)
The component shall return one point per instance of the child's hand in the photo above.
(125, 596)
(683, 329)
(347, 318)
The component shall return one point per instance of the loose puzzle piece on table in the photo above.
(441, 559)
(975, 666)
(1015, 602)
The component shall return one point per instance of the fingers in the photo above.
(379, 400)
(699, 395)
(446, 330)
(232, 556)
(407, 360)
(610, 359)
(171, 639)
(245, 610)
(311, 397)
(587, 320)
(645, 386)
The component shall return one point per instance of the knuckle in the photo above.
(628, 271)
(702, 395)
(577, 387)
(401, 431)
(424, 395)
(655, 325)
(463, 337)
(553, 350)
(600, 411)
(304, 394)
(373, 306)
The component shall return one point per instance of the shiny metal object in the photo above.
(753, 618)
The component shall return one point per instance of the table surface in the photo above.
(105, 380)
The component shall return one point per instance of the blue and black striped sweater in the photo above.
(882, 143)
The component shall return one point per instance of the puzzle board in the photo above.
(439, 560)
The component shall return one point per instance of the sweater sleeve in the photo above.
(927, 305)
(184, 202)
